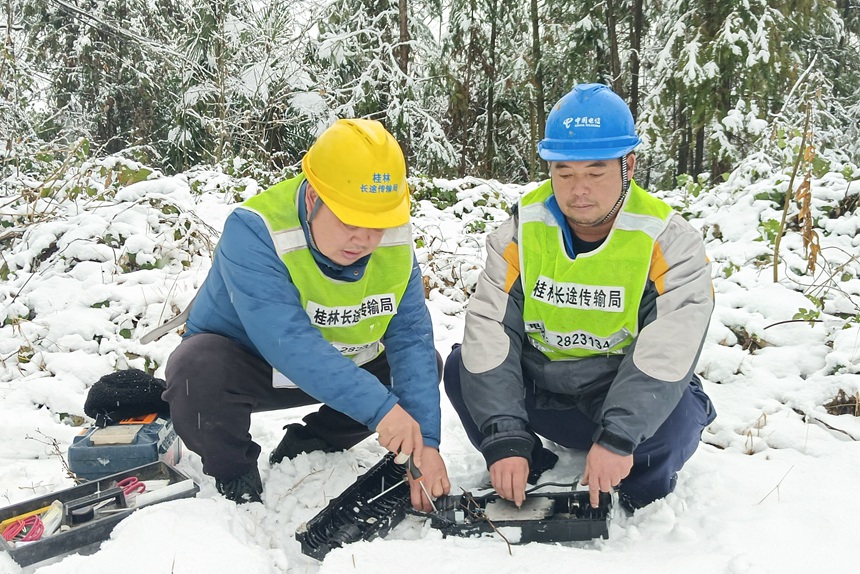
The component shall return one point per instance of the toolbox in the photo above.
(84, 525)
(99, 452)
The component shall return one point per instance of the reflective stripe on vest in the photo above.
(599, 292)
(352, 316)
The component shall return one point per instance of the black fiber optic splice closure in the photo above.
(545, 517)
(379, 499)
(361, 512)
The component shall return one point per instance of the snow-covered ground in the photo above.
(771, 489)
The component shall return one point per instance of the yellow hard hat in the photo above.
(358, 170)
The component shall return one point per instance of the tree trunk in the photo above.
(219, 49)
(403, 47)
(723, 99)
(471, 56)
(403, 63)
(684, 147)
(539, 116)
(491, 91)
(699, 156)
(614, 60)
(635, 46)
(846, 6)
(9, 23)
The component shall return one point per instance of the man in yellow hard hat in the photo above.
(314, 296)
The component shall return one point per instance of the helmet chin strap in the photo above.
(317, 204)
(625, 185)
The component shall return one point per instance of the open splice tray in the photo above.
(545, 517)
(361, 512)
(379, 499)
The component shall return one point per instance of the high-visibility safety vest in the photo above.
(576, 308)
(352, 316)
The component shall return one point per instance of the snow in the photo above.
(770, 489)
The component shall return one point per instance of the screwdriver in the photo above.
(416, 474)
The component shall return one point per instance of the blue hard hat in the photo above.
(591, 122)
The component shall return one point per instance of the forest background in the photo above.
(465, 85)
(129, 129)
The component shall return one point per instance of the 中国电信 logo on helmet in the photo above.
(381, 184)
(585, 122)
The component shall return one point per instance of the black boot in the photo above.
(242, 489)
(543, 460)
(298, 440)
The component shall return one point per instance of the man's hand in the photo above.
(603, 470)
(435, 478)
(508, 477)
(400, 433)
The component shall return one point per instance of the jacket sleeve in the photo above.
(266, 302)
(660, 363)
(411, 352)
(490, 371)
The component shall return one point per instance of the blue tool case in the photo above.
(99, 452)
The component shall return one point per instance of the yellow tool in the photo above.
(14, 519)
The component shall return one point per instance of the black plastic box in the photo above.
(545, 517)
(361, 512)
(379, 499)
(86, 537)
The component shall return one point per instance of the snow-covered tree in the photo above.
(719, 71)
(369, 61)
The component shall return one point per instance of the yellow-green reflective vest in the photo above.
(587, 306)
(352, 316)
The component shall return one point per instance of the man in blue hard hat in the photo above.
(587, 320)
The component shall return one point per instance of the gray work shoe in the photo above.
(242, 489)
(298, 440)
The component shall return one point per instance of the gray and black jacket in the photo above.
(629, 395)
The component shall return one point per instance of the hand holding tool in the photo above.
(402, 458)
(416, 474)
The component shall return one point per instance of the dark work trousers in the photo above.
(656, 461)
(213, 386)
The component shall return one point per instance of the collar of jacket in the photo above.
(572, 243)
(331, 269)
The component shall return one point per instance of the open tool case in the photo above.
(87, 535)
(374, 504)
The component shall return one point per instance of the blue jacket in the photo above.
(247, 273)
